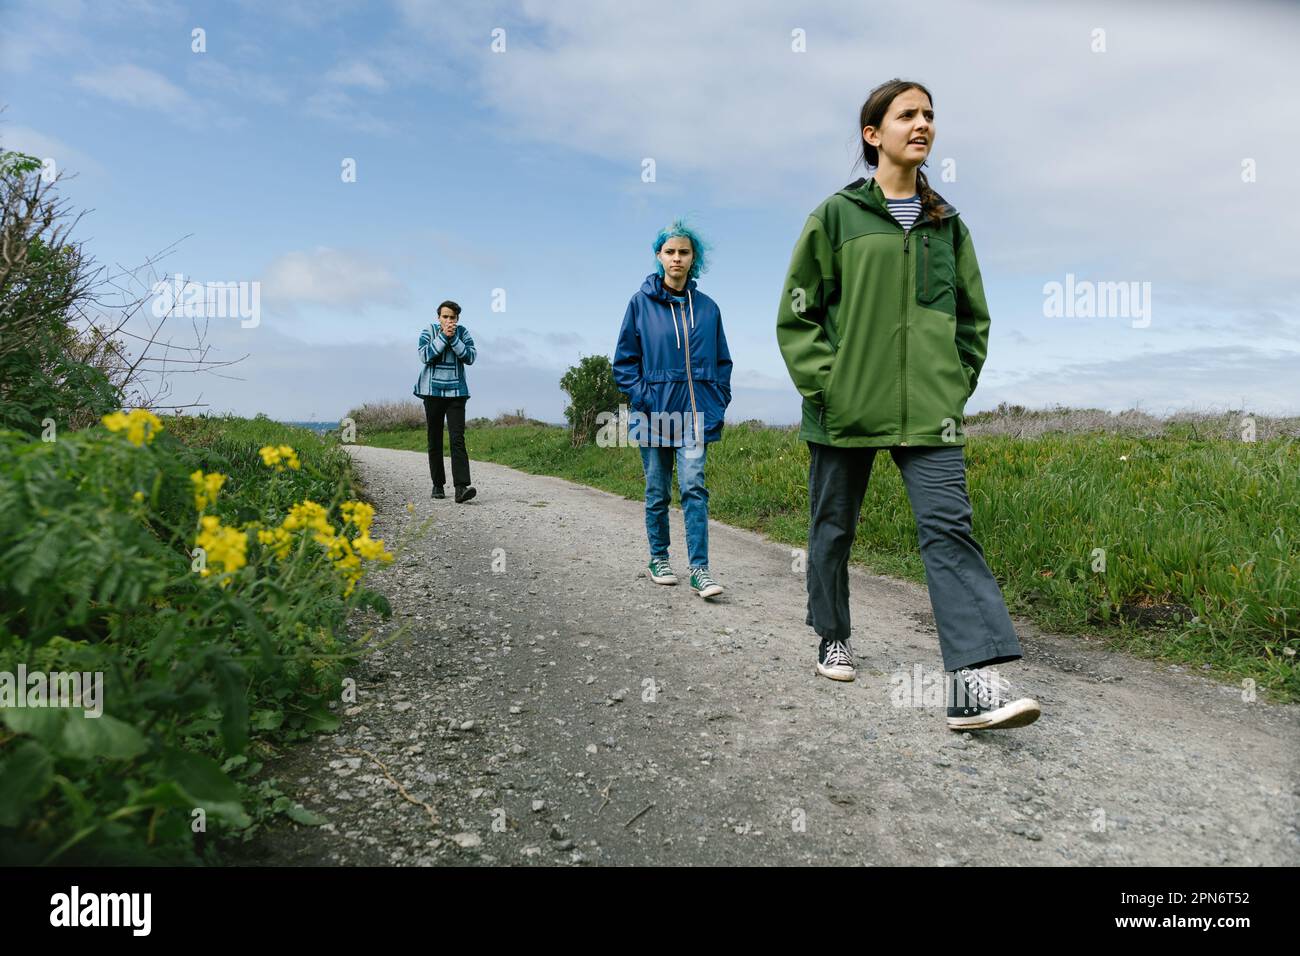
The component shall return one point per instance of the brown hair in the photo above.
(873, 114)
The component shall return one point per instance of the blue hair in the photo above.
(679, 228)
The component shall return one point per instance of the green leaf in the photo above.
(202, 780)
(39, 563)
(315, 716)
(24, 779)
(266, 719)
(43, 723)
(233, 699)
(164, 794)
(300, 814)
(105, 736)
(376, 601)
(232, 762)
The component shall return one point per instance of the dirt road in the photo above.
(553, 705)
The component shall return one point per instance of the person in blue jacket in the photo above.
(672, 362)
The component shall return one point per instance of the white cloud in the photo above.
(338, 106)
(1127, 161)
(1160, 382)
(135, 86)
(289, 378)
(335, 278)
(259, 86)
(358, 74)
(35, 143)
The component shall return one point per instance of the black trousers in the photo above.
(435, 409)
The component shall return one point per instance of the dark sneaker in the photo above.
(438, 492)
(835, 660)
(981, 700)
(661, 572)
(464, 493)
(703, 585)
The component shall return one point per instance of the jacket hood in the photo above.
(654, 287)
(868, 194)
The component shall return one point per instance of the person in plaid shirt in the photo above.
(446, 348)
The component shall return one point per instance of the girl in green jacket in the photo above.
(884, 329)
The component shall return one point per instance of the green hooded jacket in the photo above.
(884, 331)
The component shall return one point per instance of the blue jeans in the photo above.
(658, 464)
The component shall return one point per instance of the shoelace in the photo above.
(991, 691)
(662, 568)
(703, 579)
(838, 655)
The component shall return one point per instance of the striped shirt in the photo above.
(906, 211)
(443, 375)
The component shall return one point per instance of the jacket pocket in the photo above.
(936, 278)
(826, 392)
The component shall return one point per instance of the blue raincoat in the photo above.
(651, 366)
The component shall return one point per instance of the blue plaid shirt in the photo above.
(443, 375)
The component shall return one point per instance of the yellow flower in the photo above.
(346, 555)
(223, 545)
(206, 488)
(278, 456)
(308, 514)
(140, 425)
(278, 540)
(359, 513)
(371, 549)
(138, 497)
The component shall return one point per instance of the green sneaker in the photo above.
(661, 571)
(703, 585)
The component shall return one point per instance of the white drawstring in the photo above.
(691, 300)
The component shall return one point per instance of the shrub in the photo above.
(200, 652)
(591, 389)
(388, 416)
(47, 368)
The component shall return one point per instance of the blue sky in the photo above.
(521, 170)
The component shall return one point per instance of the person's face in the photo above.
(906, 134)
(447, 317)
(676, 255)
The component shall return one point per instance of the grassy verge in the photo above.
(1199, 538)
(200, 578)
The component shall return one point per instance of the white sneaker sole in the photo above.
(666, 579)
(836, 673)
(1018, 713)
(712, 590)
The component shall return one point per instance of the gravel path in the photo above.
(550, 704)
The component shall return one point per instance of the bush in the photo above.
(47, 366)
(591, 389)
(388, 416)
(202, 653)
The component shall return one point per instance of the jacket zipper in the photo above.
(690, 382)
(903, 366)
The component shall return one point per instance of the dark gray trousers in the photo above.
(969, 611)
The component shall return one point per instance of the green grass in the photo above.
(1209, 526)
